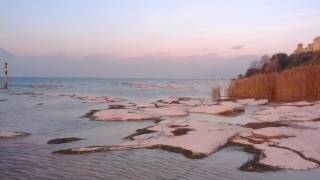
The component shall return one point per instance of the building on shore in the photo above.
(315, 46)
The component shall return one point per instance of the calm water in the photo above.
(30, 157)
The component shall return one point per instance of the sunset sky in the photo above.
(177, 29)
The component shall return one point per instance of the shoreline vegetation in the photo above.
(296, 84)
(281, 78)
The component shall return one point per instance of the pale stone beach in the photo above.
(278, 137)
(284, 135)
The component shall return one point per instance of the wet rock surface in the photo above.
(280, 136)
(32, 94)
(143, 104)
(181, 131)
(168, 111)
(12, 134)
(259, 125)
(284, 137)
(165, 107)
(140, 132)
(98, 99)
(123, 115)
(117, 106)
(141, 110)
(89, 149)
(63, 140)
(226, 108)
(177, 136)
(253, 102)
(300, 103)
(290, 113)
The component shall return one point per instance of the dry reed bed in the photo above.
(300, 83)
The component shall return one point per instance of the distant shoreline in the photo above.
(135, 78)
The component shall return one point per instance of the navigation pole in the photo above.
(5, 68)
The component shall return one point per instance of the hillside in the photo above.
(281, 61)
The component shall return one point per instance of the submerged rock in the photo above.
(97, 99)
(63, 140)
(181, 131)
(45, 86)
(140, 132)
(259, 125)
(82, 150)
(188, 101)
(84, 99)
(90, 114)
(12, 134)
(117, 106)
(31, 94)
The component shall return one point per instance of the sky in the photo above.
(124, 33)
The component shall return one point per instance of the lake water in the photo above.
(48, 117)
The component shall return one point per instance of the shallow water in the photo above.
(31, 158)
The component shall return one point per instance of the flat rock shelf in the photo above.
(281, 137)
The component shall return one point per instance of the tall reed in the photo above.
(300, 83)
